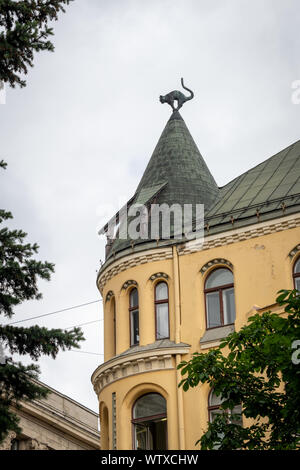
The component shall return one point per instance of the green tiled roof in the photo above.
(267, 190)
(177, 173)
(147, 193)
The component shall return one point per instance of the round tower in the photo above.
(165, 297)
(141, 405)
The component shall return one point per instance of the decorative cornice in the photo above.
(215, 261)
(211, 241)
(130, 261)
(139, 366)
(158, 276)
(47, 415)
(294, 251)
(238, 235)
(121, 367)
(129, 283)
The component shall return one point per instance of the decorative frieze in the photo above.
(126, 263)
(109, 295)
(214, 262)
(144, 359)
(7, 441)
(243, 234)
(211, 241)
(22, 444)
(158, 276)
(129, 283)
(294, 251)
(128, 368)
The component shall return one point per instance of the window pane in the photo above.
(151, 435)
(214, 414)
(135, 338)
(141, 434)
(149, 405)
(228, 306)
(161, 291)
(213, 309)
(160, 434)
(162, 321)
(214, 400)
(237, 415)
(134, 298)
(297, 283)
(297, 267)
(219, 277)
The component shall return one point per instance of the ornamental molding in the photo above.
(215, 261)
(129, 283)
(211, 241)
(139, 363)
(109, 295)
(34, 444)
(130, 261)
(26, 443)
(7, 441)
(64, 423)
(158, 276)
(294, 251)
(242, 234)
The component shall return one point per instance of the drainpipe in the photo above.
(178, 340)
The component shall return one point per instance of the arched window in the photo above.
(134, 317)
(113, 313)
(110, 325)
(214, 403)
(104, 428)
(219, 298)
(149, 419)
(296, 274)
(162, 310)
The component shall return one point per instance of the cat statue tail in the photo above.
(191, 92)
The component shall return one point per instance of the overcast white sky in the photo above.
(77, 139)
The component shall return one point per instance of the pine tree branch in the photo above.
(36, 341)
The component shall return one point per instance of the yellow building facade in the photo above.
(165, 299)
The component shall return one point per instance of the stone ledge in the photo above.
(213, 337)
(139, 360)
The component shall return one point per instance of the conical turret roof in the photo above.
(177, 163)
(175, 174)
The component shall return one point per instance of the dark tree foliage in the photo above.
(19, 275)
(24, 30)
(260, 370)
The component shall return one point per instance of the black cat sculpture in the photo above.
(176, 95)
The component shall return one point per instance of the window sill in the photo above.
(213, 337)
